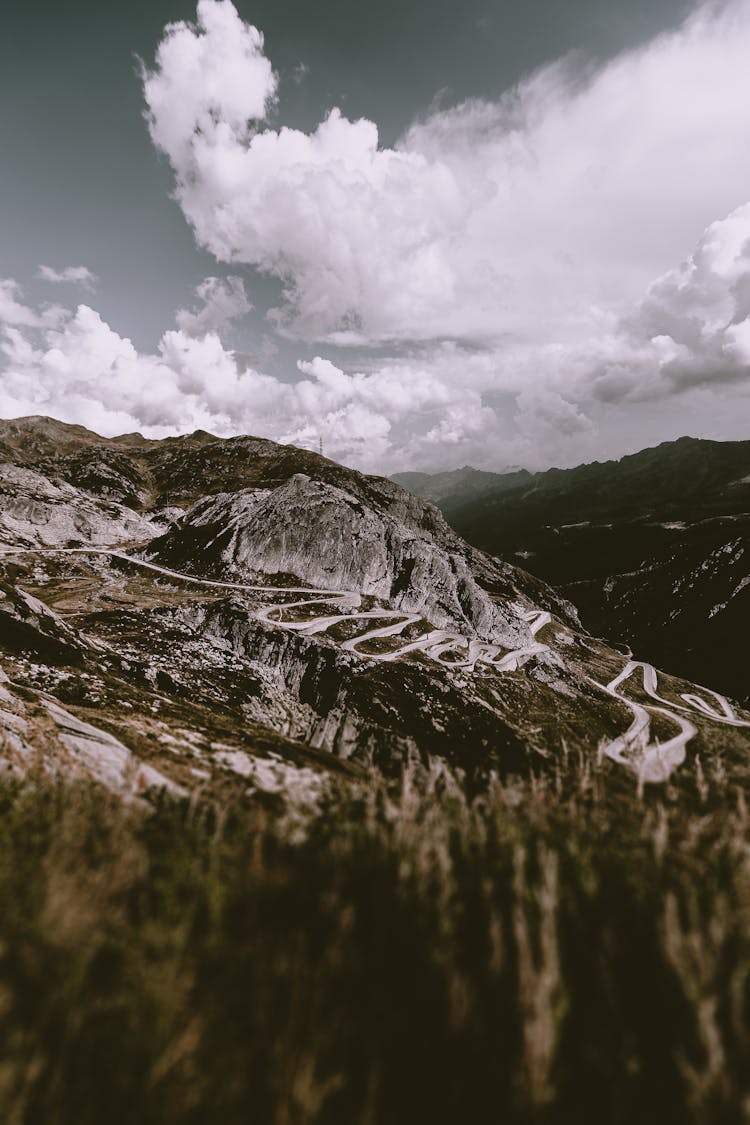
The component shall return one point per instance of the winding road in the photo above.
(651, 760)
(450, 649)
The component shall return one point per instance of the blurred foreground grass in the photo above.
(556, 949)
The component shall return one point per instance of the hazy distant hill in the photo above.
(460, 484)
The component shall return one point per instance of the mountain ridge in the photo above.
(282, 604)
(652, 548)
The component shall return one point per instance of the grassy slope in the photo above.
(555, 950)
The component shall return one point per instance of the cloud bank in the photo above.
(688, 338)
(68, 362)
(73, 365)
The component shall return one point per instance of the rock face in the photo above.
(388, 545)
(28, 625)
(37, 512)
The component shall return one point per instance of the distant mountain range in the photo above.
(461, 484)
(653, 549)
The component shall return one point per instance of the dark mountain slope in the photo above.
(654, 549)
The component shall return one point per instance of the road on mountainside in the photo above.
(655, 761)
(651, 760)
(434, 643)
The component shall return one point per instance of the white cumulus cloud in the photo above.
(15, 311)
(222, 300)
(432, 407)
(69, 275)
(690, 329)
(76, 367)
(514, 217)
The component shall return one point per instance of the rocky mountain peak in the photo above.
(377, 540)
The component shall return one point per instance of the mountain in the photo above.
(185, 612)
(653, 548)
(312, 812)
(466, 483)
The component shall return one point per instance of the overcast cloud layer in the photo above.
(577, 251)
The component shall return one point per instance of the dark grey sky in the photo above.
(80, 181)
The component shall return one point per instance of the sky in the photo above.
(427, 234)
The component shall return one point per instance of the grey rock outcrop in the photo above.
(393, 547)
(38, 512)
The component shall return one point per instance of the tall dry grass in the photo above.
(551, 949)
